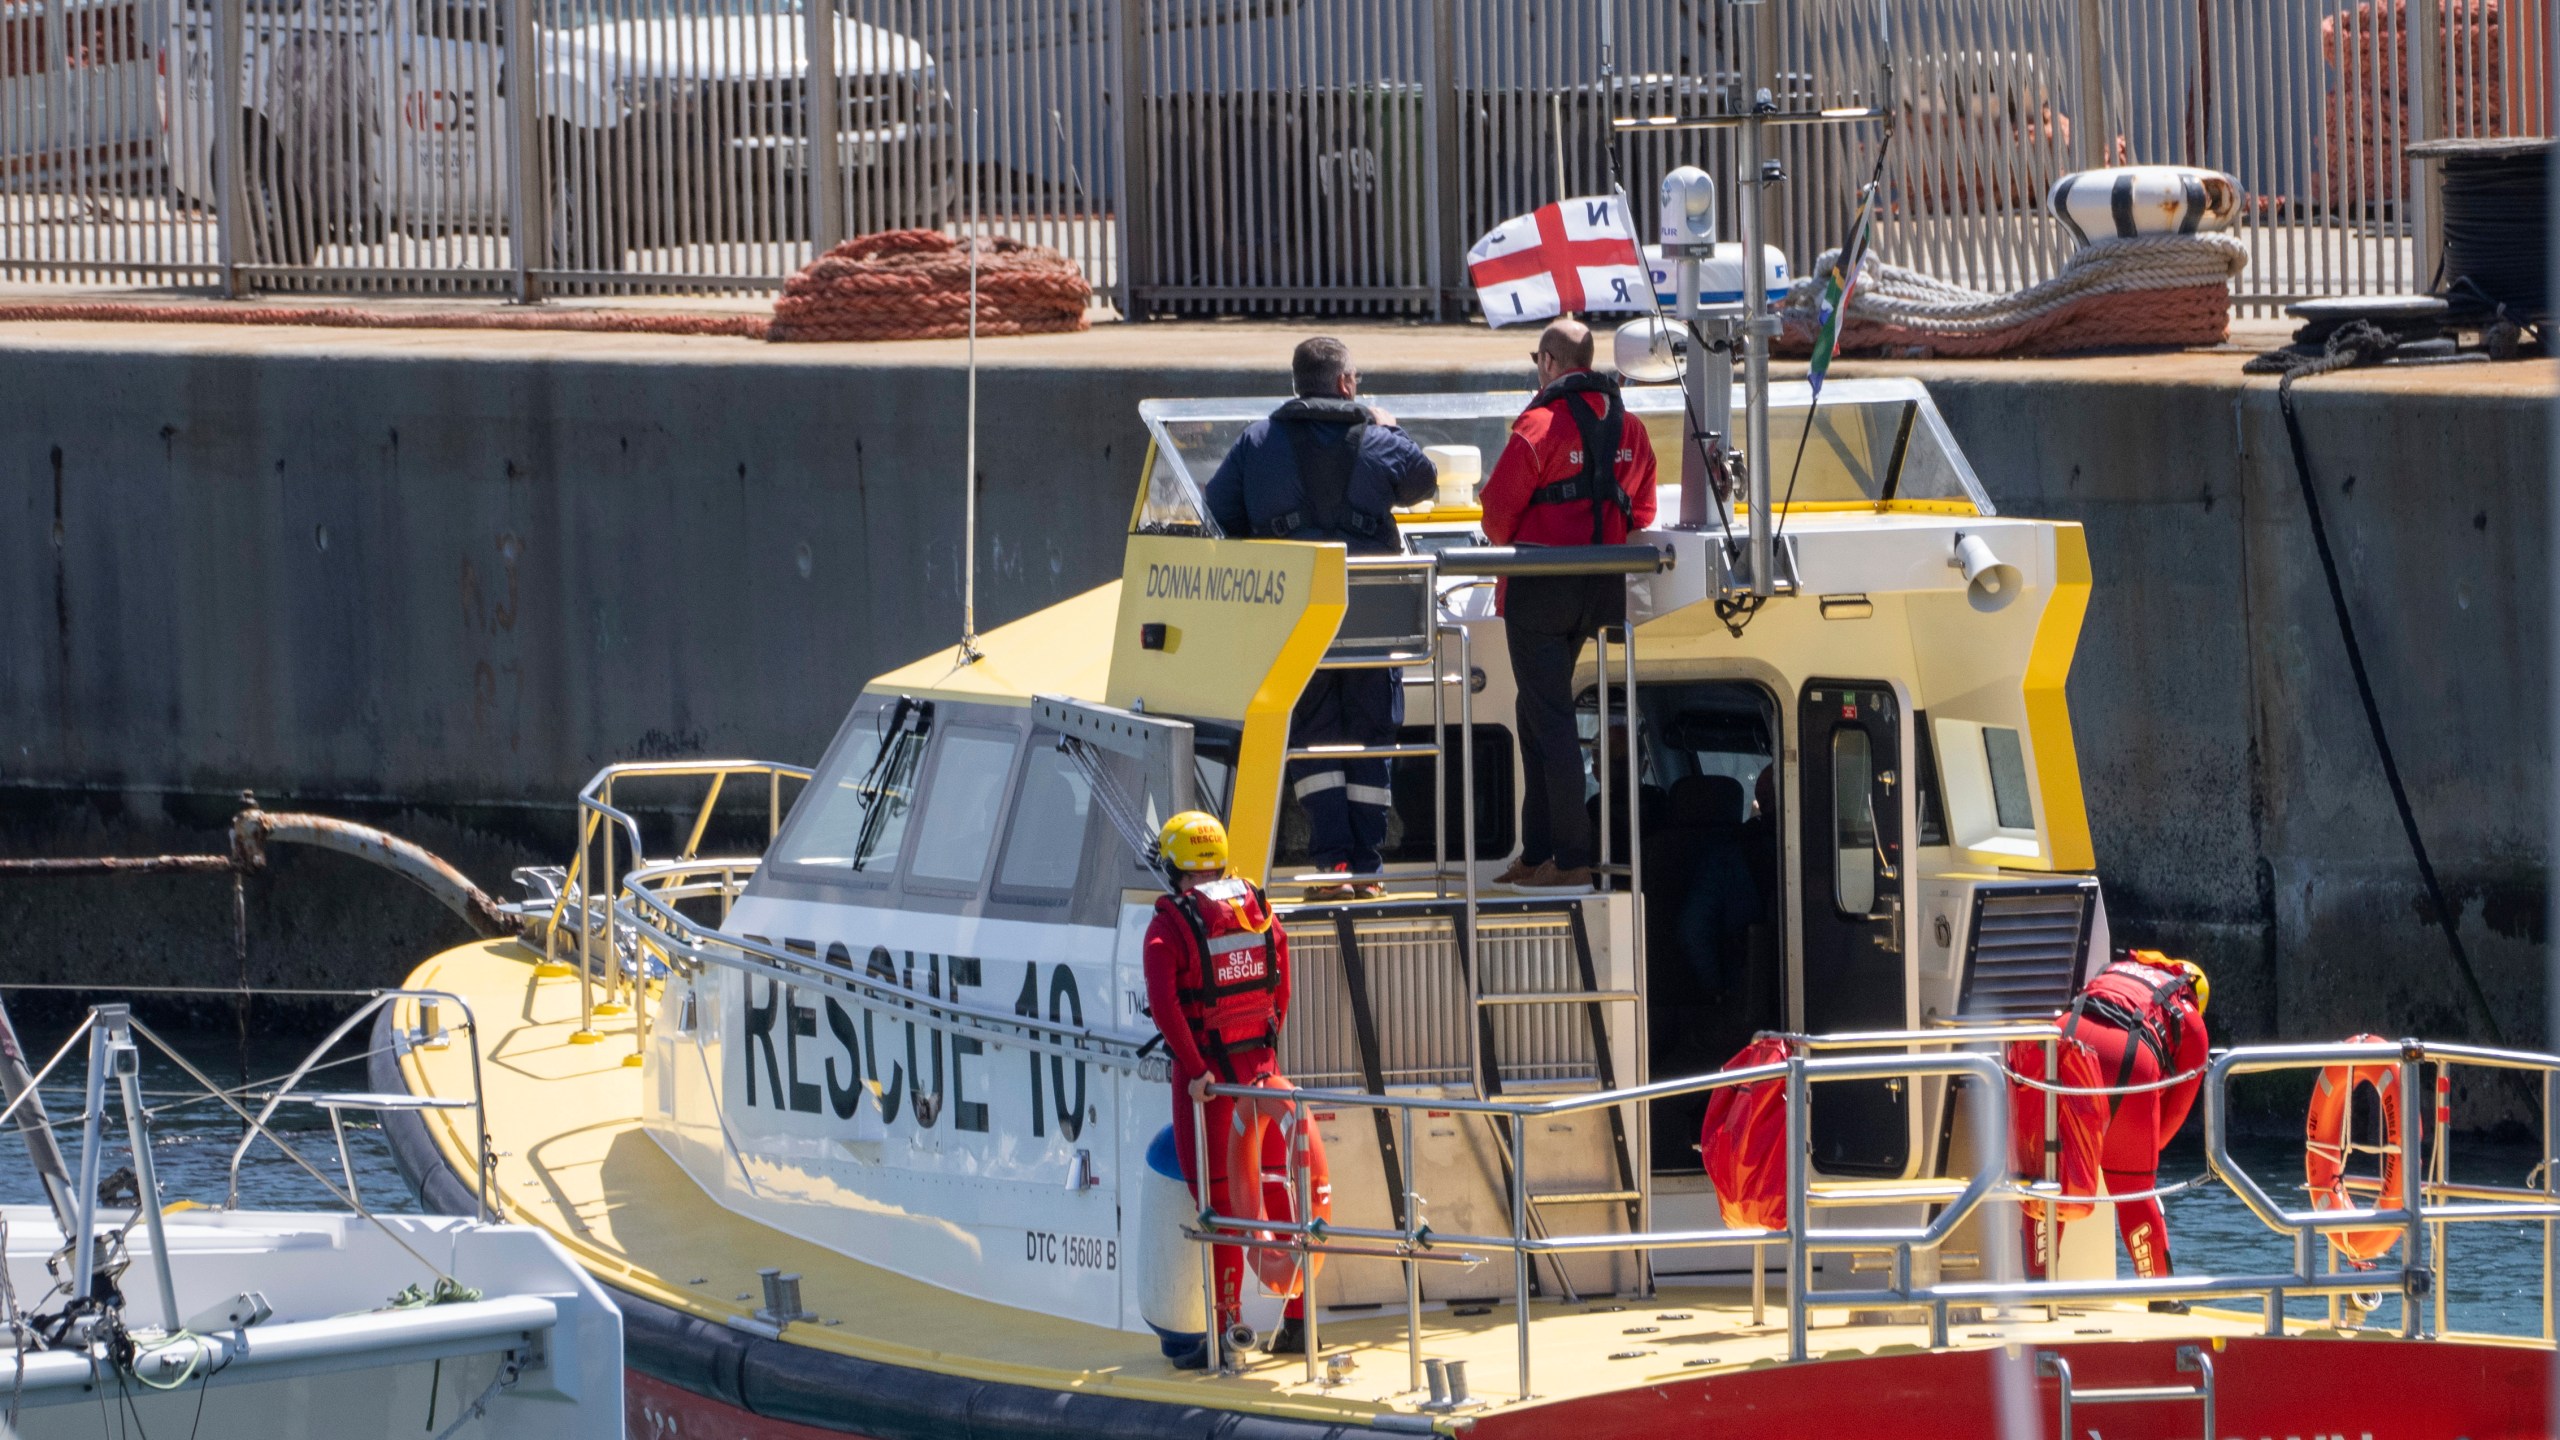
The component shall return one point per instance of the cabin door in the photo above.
(1851, 765)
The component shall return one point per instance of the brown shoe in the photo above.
(1326, 894)
(1549, 879)
(1518, 874)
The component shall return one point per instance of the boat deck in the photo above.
(573, 1158)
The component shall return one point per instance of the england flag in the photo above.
(1572, 255)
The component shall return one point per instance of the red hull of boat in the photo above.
(2290, 1389)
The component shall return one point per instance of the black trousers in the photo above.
(1545, 622)
(1346, 800)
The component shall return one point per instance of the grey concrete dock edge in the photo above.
(438, 579)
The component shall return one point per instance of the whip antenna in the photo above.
(969, 653)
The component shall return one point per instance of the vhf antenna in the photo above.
(969, 652)
(1759, 170)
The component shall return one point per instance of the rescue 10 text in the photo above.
(891, 1056)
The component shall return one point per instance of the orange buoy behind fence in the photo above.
(2324, 1147)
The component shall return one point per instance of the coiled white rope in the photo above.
(1889, 294)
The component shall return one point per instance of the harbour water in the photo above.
(2490, 1279)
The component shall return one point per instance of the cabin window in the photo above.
(2008, 762)
(1982, 775)
(963, 807)
(854, 815)
(1853, 826)
(1044, 849)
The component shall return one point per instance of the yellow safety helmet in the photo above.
(2161, 960)
(1193, 840)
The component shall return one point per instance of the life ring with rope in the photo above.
(2324, 1147)
(1268, 1140)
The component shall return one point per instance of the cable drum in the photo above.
(2497, 242)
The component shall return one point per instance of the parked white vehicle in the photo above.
(664, 122)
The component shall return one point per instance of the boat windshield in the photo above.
(1869, 440)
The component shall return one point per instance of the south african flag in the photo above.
(1837, 284)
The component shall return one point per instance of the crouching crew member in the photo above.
(1578, 470)
(1327, 467)
(1217, 967)
(2144, 1015)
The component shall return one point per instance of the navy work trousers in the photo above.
(1346, 800)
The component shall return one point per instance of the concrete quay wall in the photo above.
(436, 581)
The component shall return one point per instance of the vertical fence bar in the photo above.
(822, 93)
(1132, 181)
(230, 193)
(2427, 102)
(1444, 228)
(528, 217)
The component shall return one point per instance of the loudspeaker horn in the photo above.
(1989, 581)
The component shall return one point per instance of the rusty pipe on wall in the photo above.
(253, 829)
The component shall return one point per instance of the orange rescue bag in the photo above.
(2083, 1123)
(1744, 1143)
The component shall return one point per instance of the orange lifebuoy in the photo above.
(2324, 1150)
(1268, 1139)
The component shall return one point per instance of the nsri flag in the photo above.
(1572, 255)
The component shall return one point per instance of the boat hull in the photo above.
(2388, 1390)
(689, 1378)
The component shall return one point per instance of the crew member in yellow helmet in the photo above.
(1217, 966)
(2144, 1015)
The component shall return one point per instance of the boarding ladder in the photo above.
(1392, 620)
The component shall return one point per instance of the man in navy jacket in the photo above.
(1326, 467)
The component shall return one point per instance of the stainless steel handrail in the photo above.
(2423, 1203)
(598, 818)
(479, 1106)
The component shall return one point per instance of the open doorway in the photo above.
(1714, 906)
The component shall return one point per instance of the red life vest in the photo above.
(2148, 1002)
(1231, 999)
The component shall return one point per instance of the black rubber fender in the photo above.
(783, 1381)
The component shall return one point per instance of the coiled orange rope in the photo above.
(914, 285)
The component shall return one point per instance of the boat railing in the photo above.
(115, 1040)
(583, 896)
(648, 916)
(2424, 1207)
(429, 1032)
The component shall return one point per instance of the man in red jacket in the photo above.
(1578, 471)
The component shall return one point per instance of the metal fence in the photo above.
(1193, 155)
